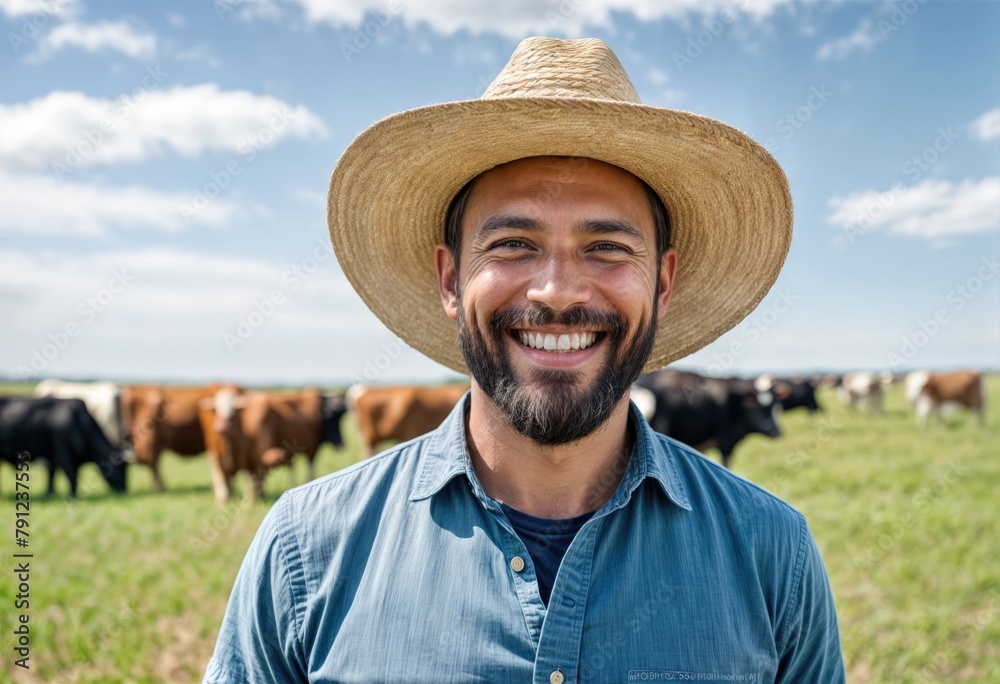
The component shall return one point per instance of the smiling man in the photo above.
(554, 239)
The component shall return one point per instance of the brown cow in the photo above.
(258, 431)
(157, 417)
(930, 393)
(400, 413)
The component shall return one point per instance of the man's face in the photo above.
(558, 292)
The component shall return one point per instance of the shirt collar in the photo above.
(447, 456)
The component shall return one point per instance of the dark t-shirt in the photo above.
(547, 541)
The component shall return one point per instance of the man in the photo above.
(544, 532)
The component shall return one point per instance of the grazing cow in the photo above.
(790, 393)
(400, 413)
(706, 412)
(934, 393)
(258, 431)
(101, 398)
(156, 418)
(862, 390)
(62, 432)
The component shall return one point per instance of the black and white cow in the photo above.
(790, 393)
(705, 412)
(62, 432)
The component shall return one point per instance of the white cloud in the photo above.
(41, 205)
(657, 76)
(515, 19)
(863, 38)
(987, 126)
(65, 128)
(40, 8)
(930, 209)
(118, 36)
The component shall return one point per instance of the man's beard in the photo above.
(557, 412)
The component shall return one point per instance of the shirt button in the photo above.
(517, 565)
(557, 677)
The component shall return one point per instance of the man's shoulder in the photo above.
(383, 479)
(719, 491)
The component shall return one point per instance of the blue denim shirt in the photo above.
(402, 569)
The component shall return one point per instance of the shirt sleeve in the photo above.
(259, 637)
(810, 648)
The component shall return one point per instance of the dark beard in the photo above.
(560, 413)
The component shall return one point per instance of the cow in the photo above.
(790, 393)
(705, 412)
(257, 431)
(933, 393)
(101, 399)
(158, 417)
(62, 432)
(862, 390)
(400, 413)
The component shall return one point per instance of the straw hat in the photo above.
(728, 200)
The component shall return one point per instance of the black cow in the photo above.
(706, 412)
(334, 408)
(790, 393)
(62, 432)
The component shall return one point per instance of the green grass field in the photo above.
(132, 589)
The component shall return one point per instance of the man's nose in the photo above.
(560, 285)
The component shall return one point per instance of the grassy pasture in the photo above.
(132, 589)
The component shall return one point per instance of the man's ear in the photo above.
(447, 276)
(668, 269)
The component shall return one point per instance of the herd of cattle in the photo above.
(68, 424)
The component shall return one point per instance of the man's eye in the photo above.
(609, 247)
(510, 243)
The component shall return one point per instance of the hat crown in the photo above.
(549, 67)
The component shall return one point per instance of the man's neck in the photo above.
(548, 482)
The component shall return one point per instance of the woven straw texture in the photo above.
(728, 199)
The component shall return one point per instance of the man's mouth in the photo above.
(557, 343)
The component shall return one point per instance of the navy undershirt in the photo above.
(546, 541)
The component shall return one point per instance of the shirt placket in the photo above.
(558, 655)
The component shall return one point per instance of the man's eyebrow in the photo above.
(609, 226)
(507, 221)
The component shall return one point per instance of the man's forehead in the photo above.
(557, 169)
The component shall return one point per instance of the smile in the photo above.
(557, 344)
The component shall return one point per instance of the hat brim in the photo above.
(728, 200)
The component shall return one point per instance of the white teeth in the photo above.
(557, 343)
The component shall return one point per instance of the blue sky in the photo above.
(163, 170)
